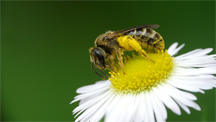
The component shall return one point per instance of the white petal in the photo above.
(97, 116)
(160, 105)
(90, 97)
(182, 93)
(89, 94)
(184, 87)
(195, 53)
(88, 112)
(139, 113)
(192, 71)
(167, 100)
(125, 108)
(187, 54)
(148, 101)
(198, 59)
(184, 107)
(172, 48)
(90, 102)
(157, 109)
(142, 113)
(145, 104)
(128, 108)
(114, 114)
(175, 51)
(201, 61)
(195, 64)
(169, 90)
(197, 107)
(200, 83)
(97, 85)
(109, 115)
(208, 79)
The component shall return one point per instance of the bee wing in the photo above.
(151, 26)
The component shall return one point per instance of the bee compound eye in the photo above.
(105, 38)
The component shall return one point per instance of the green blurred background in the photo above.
(45, 46)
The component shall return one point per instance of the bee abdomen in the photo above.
(155, 40)
(149, 37)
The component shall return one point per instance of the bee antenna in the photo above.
(97, 72)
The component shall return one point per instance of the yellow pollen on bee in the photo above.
(142, 74)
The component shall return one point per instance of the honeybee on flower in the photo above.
(141, 91)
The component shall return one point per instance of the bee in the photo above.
(112, 44)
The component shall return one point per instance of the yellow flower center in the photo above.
(141, 74)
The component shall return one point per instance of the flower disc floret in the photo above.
(140, 74)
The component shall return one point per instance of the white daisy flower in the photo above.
(141, 94)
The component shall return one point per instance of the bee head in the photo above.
(97, 57)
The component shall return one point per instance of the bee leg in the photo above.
(119, 56)
(130, 43)
(92, 67)
(144, 54)
(104, 73)
(115, 61)
(112, 62)
(150, 48)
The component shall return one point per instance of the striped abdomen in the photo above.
(149, 37)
